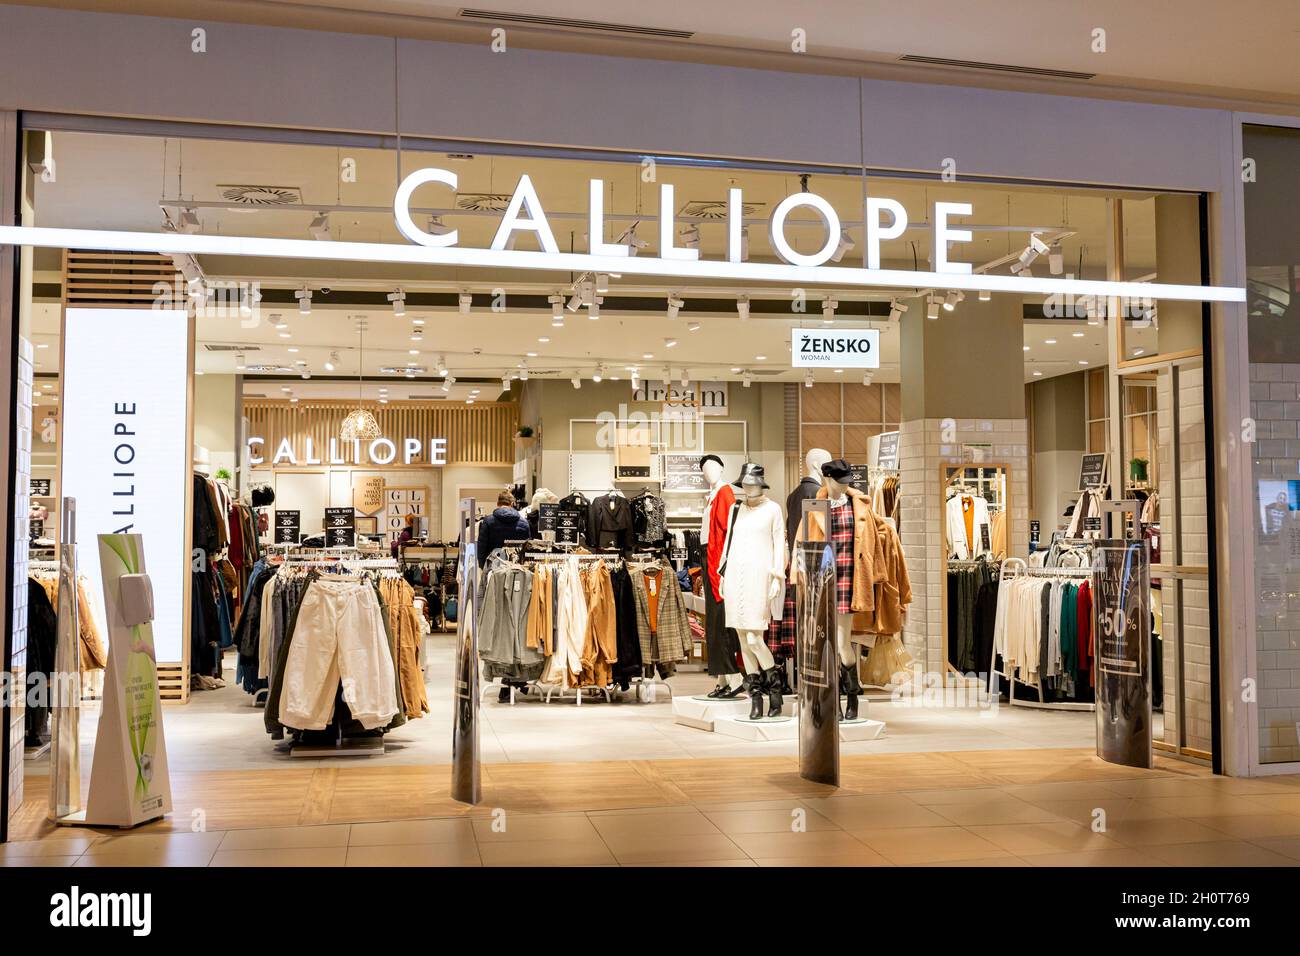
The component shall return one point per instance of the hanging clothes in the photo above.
(503, 626)
(650, 520)
(610, 523)
(664, 633)
(404, 623)
(966, 523)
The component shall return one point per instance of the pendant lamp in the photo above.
(360, 423)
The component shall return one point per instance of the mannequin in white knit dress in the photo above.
(753, 584)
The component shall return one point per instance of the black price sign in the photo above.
(1092, 523)
(340, 527)
(1092, 470)
(37, 529)
(858, 478)
(547, 515)
(887, 453)
(1035, 532)
(568, 524)
(677, 554)
(288, 527)
(986, 544)
(40, 487)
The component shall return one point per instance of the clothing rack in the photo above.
(1019, 568)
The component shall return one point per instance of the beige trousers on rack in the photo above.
(339, 636)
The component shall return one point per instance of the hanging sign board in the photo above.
(340, 528)
(288, 527)
(368, 494)
(858, 478)
(569, 523)
(1092, 470)
(834, 348)
(128, 779)
(887, 451)
(682, 473)
(40, 487)
(125, 455)
(547, 517)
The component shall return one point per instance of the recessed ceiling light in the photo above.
(543, 339)
(1077, 335)
(412, 351)
(1038, 373)
(1026, 348)
(418, 321)
(286, 335)
(1083, 361)
(1049, 341)
(293, 349)
(43, 345)
(532, 355)
(1139, 351)
(839, 371)
(760, 358)
(647, 355)
(285, 388)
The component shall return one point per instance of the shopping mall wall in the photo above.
(1056, 410)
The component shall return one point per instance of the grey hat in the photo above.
(751, 474)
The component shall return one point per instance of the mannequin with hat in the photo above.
(753, 576)
(721, 643)
(854, 536)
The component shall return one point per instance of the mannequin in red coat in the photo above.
(722, 643)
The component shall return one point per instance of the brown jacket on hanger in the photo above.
(894, 589)
(600, 644)
(671, 639)
(868, 555)
(399, 597)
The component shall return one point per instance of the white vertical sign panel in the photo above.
(125, 460)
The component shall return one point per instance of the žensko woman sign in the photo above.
(884, 219)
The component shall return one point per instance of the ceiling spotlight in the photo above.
(951, 299)
(304, 301)
(417, 334)
(686, 379)
(1055, 259)
(931, 306)
(635, 379)
(575, 302)
(505, 382)
(845, 244)
(670, 343)
(239, 361)
(320, 227)
(189, 221)
(523, 371)
(465, 301)
(896, 310)
(437, 227)
(593, 307)
(278, 322)
(666, 374)
(446, 384)
(1027, 257)
(576, 381)
(808, 379)
(742, 307)
(442, 365)
(692, 326)
(598, 374)
(602, 282)
(398, 298)
(1036, 243)
(866, 378)
(633, 242)
(985, 295)
(333, 362)
(557, 308)
(747, 378)
(744, 243)
(691, 236)
(828, 310)
(674, 306)
(306, 373)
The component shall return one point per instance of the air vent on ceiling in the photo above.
(483, 202)
(403, 369)
(426, 398)
(715, 208)
(565, 23)
(269, 368)
(261, 195)
(997, 67)
(232, 348)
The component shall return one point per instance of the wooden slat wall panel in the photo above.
(122, 279)
(479, 434)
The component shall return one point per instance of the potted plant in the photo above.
(525, 439)
(1137, 469)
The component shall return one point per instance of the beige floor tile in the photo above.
(930, 798)
(176, 843)
(877, 811)
(836, 858)
(459, 853)
(928, 845)
(1124, 856)
(412, 832)
(1287, 846)
(670, 849)
(1253, 786)
(24, 848)
(1061, 837)
(1221, 853)
(270, 838)
(700, 863)
(1009, 810)
(1159, 831)
(653, 824)
(1040, 794)
(811, 846)
(1211, 805)
(1278, 802)
(283, 856)
(150, 856)
(546, 853)
(1249, 826)
(43, 860)
(1117, 808)
(1003, 861)
(550, 827)
(780, 820)
(1162, 787)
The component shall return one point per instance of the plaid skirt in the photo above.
(780, 634)
(842, 542)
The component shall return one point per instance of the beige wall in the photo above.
(1178, 260)
(216, 411)
(1058, 441)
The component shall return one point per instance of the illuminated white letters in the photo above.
(830, 220)
(877, 232)
(943, 235)
(667, 223)
(402, 207)
(596, 224)
(525, 195)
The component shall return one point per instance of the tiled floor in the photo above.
(993, 808)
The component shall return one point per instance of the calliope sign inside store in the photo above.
(379, 451)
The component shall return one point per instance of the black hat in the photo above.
(751, 474)
(263, 496)
(709, 458)
(838, 469)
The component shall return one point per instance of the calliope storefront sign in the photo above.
(379, 451)
(883, 218)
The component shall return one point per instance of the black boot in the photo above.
(728, 692)
(755, 684)
(849, 681)
(772, 679)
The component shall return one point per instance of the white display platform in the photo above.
(862, 729)
(769, 728)
(702, 714)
